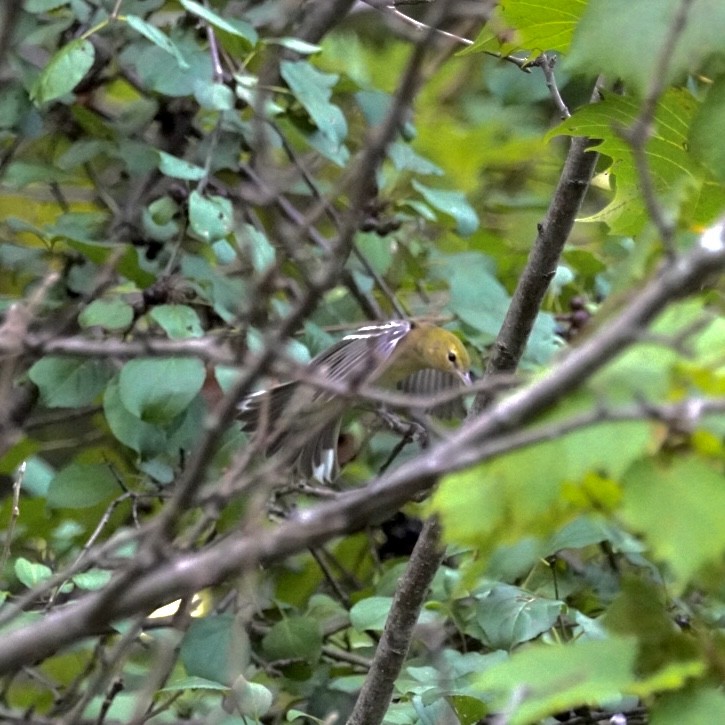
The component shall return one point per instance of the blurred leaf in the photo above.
(43, 6)
(157, 390)
(92, 580)
(215, 648)
(696, 705)
(663, 499)
(179, 322)
(37, 476)
(707, 129)
(64, 72)
(453, 204)
(313, 89)
(640, 610)
(529, 492)
(294, 638)
(158, 38)
(179, 168)
(174, 79)
(639, 32)
(210, 217)
(69, 382)
(295, 44)
(160, 219)
(234, 26)
(81, 485)
(546, 679)
(112, 314)
(30, 573)
(261, 253)
(194, 683)
(405, 159)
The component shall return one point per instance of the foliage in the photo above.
(198, 197)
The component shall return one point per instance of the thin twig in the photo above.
(639, 133)
(14, 515)
(547, 62)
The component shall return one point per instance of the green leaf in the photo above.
(194, 683)
(151, 63)
(294, 638)
(179, 322)
(698, 705)
(37, 476)
(251, 699)
(64, 72)
(469, 710)
(534, 491)
(639, 31)
(543, 680)
(160, 219)
(157, 390)
(215, 648)
(68, 382)
(298, 46)
(405, 159)
(640, 610)
(82, 485)
(159, 39)
(313, 90)
(706, 131)
(663, 499)
(453, 204)
(539, 25)
(370, 613)
(509, 615)
(92, 580)
(678, 178)
(261, 253)
(215, 96)
(233, 26)
(114, 314)
(43, 6)
(137, 434)
(30, 573)
(210, 217)
(179, 168)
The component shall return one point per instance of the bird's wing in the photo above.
(359, 356)
(430, 382)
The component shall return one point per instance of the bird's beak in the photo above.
(465, 377)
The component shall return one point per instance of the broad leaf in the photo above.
(64, 72)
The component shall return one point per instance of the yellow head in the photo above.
(429, 346)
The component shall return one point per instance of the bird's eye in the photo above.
(452, 357)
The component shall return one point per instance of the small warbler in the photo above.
(418, 356)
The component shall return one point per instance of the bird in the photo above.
(418, 357)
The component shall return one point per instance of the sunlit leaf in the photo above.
(64, 72)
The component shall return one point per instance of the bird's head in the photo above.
(439, 349)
